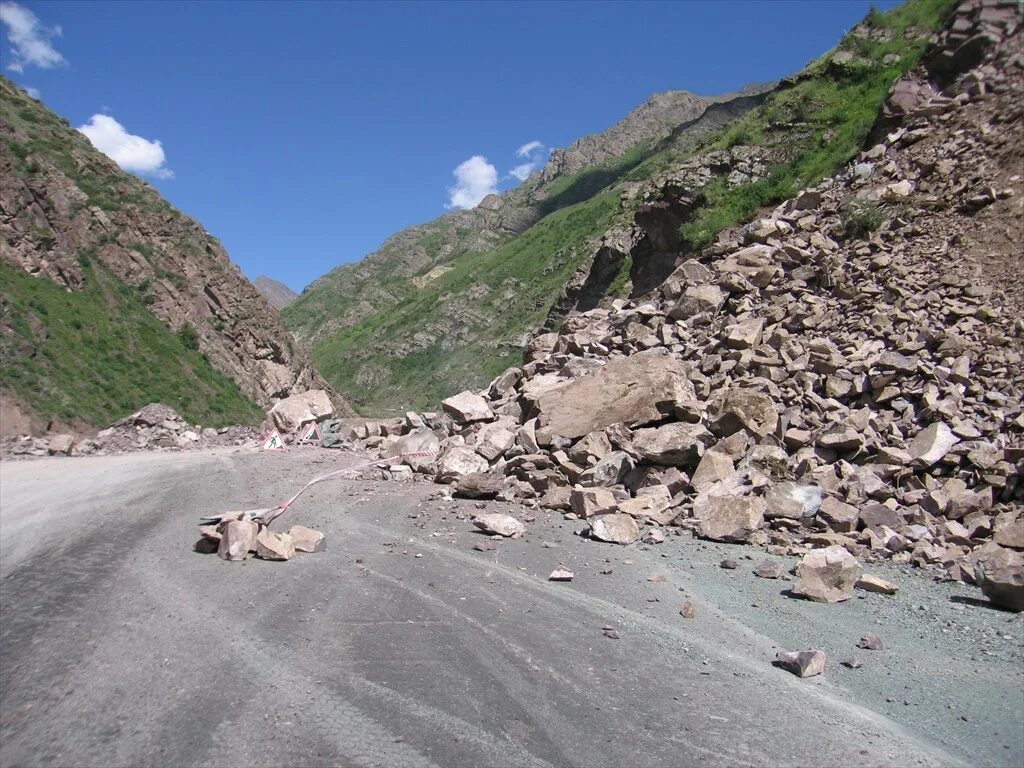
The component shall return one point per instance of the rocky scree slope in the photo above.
(69, 216)
(842, 372)
(277, 294)
(688, 191)
(450, 302)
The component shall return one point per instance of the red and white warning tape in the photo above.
(268, 515)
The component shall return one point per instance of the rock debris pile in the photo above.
(811, 383)
(154, 427)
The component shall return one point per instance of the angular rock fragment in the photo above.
(931, 444)
(1000, 574)
(637, 389)
(870, 583)
(689, 610)
(714, 467)
(729, 518)
(271, 545)
(678, 444)
(792, 500)
(61, 444)
(467, 407)
(698, 299)
(458, 460)
(769, 569)
(237, 538)
(499, 524)
(479, 485)
(610, 470)
(802, 663)
(827, 575)
(587, 502)
(561, 573)
(292, 412)
(744, 334)
(409, 446)
(870, 642)
(494, 439)
(746, 409)
(654, 536)
(306, 539)
(840, 516)
(614, 528)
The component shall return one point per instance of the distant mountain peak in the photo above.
(277, 294)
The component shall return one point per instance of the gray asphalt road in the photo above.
(401, 645)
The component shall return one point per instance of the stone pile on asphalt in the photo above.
(837, 395)
(234, 537)
(154, 427)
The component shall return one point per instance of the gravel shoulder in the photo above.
(402, 645)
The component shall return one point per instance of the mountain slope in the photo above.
(815, 121)
(443, 305)
(440, 306)
(70, 216)
(277, 294)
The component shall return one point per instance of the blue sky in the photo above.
(302, 134)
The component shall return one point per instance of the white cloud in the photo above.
(529, 148)
(474, 180)
(35, 93)
(30, 40)
(521, 172)
(535, 154)
(132, 153)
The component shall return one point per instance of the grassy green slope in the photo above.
(474, 339)
(821, 119)
(831, 108)
(98, 354)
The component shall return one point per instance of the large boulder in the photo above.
(479, 485)
(794, 501)
(1000, 574)
(292, 412)
(729, 518)
(587, 502)
(674, 445)
(608, 471)
(827, 575)
(467, 407)
(614, 528)
(418, 450)
(458, 460)
(631, 390)
(715, 466)
(494, 439)
(61, 444)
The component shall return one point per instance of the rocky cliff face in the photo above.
(277, 294)
(65, 209)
